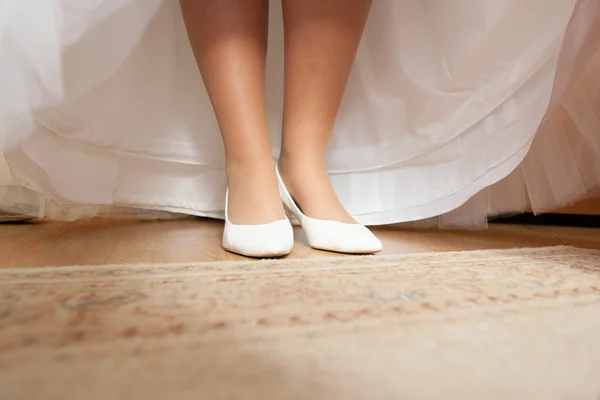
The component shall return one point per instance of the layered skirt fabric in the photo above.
(455, 111)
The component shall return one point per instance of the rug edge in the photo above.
(312, 260)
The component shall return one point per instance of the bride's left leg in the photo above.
(321, 39)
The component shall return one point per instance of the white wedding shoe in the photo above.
(274, 239)
(327, 235)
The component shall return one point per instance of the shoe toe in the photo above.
(362, 241)
(340, 237)
(371, 243)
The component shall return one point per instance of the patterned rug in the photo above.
(505, 324)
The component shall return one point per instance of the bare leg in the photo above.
(321, 39)
(229, 38)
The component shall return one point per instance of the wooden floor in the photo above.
(96, 242)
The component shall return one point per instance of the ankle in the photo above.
(251, 159)
(307, 165)
(309, 185)
(243, 166)
(253, 193)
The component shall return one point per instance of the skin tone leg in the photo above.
(229, 39)
(321, 40)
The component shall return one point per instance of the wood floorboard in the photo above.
(96, 242)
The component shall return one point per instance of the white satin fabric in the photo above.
(104, 112)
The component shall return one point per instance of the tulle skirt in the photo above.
(456, 111)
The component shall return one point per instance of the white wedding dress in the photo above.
(103, 111)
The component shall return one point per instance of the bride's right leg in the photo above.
(229, 39)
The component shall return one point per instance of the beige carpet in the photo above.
(517, 324)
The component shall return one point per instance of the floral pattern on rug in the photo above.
(516, 324)
(60, 306)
